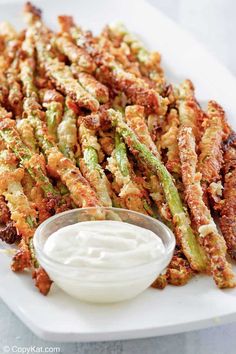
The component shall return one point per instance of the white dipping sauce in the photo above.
(104, 244)
(104, 261)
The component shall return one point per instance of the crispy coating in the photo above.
(149, 62)
(209, 237)
(27, 134)
(160, 282)
(81, 192)
(42, 280)
(210, 157)
(15, 97)
(88, 139)
(59, 73)
(136, 89)
(135, 118)
(66, 23)
(53, 102)
(98, 120)
(4, 211)
(169, 142)
(83, 39)
(120, 51)
(31, 12)
(34, 163)
(22, 211)
(190, 114)
(125, 182)
(63, 78)
(106, 141)
(228, 208)
(4, 114)
(50, 95)
(21, 260)
(8, 233)
(94, 87)
(76, 55)
(90, 166)
(179, 272)
(67, 134)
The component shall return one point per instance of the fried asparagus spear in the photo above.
(53, 101)
(83, 39)
(90, 84)
(125, 182)
(56, 70)
(168, 141)
(23, 215)
(26, 132)
(60, 166)
(210, 152)
(62, 76)
(15, 97)
(82, 67)
(149, 62)
(13, 43)
(135, 118)
(67, 134)
(184, 233)
(190, 113)
(90, 167)
(8, 35)
(228, 205)
(209, 237)
(178, 272)
(31, 161)
(75, 54)
(136, 89)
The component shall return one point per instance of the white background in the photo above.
(213, 23)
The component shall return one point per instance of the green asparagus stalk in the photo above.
(24, 217)
(76, 55)
(135, 118)
(121, 155)
(67, 134)
(22, 212)
(31, 161)
(184, 233)
(81, 192)
(149, 62)
(27, 134)
(61, 74)
(131, 193)
(90, 166)
(53, 117)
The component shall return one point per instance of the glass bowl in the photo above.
(103, 285)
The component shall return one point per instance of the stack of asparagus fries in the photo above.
(91, 121)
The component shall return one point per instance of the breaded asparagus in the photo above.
(184, 233)
(209, 237)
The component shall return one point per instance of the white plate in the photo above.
(197, 305)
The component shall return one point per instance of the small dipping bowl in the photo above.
(103, 285)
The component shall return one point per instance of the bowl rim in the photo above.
(50, 261)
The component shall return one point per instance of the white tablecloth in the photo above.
(213, 23)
